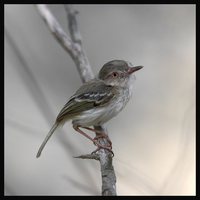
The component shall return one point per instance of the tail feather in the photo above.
(54, 127)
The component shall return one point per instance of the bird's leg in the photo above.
(77, 128)
(100, 134)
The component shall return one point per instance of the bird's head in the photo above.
(117, 72)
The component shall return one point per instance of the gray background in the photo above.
(153, 137)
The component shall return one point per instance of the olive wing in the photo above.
(88, 96)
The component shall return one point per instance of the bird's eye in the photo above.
(115, 74)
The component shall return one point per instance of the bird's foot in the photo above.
(103, 147)
(103, 135)
(108, 146)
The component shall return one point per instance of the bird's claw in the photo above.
(102, 136)
(103, 147)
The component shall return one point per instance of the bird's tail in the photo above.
(54, 127)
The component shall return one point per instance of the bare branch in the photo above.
(74, 47)
(57, 30)
(89, 156)
(107, 169)
(72, 23)
(81, 60)
(108, 175)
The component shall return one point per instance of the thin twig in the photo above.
(57, 30)
(72, 23)
(74, 47)
(89, 156)
(81, 60)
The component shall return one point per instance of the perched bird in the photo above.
(97, 100)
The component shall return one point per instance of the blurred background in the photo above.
(153, 137)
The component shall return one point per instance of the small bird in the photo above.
(97, 101)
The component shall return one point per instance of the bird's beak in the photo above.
(133, 69)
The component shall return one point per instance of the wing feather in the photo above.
(88, 96)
